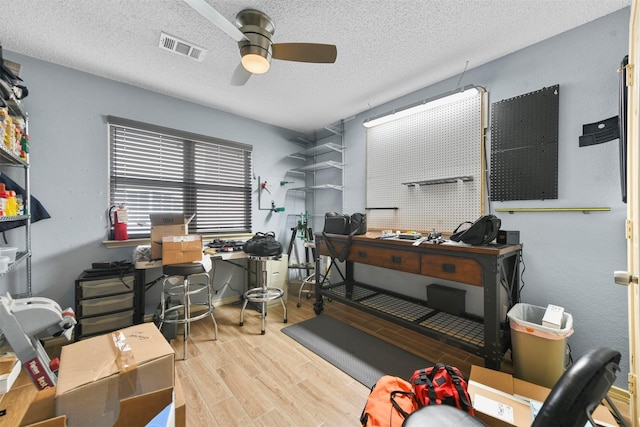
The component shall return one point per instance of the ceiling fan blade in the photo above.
(240, 76)
(305, 52)
(216, 18)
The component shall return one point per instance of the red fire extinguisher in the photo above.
(118, 219)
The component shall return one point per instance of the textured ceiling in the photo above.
(386, 48)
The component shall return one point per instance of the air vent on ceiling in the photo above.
(181, 47)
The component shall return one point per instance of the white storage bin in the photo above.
(9, 251)
(110, 322)
(112, 285)
(92, 307)
(4, 264)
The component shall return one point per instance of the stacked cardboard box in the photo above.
(181, 249)
(165, 224)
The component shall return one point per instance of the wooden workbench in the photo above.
(491, 267)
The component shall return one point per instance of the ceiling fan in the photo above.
(253, 33)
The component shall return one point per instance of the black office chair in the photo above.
(570, 403)
(580, 390)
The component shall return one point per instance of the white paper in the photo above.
(493, 408)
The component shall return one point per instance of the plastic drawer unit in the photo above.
(106, 323)
(96, 287)
(104, 304)
(96, 306)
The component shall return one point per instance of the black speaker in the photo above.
(506, 237)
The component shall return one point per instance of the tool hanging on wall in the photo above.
(273, 208)
(263, 186)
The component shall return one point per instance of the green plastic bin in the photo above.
(538, 352)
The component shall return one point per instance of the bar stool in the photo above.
(178, 283)
(263, 293)
(311, 282)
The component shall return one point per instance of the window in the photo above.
(155, 169)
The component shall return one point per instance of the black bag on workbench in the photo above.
(483, 231)
(335, 223)
(350, 226)
(263, 244)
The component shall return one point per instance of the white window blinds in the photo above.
(154, 169)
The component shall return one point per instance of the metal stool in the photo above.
(183, 290)
(309, 280)
(263, 294)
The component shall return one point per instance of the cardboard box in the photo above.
(60, 421)
(165, 224)
(553, 317)
(501, 400)
(42, 409)
(181, 405)
(148, 409)
(94, 377)
(135, 411)
(181, 249)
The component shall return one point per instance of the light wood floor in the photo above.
(248, 379)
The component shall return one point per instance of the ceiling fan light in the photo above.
(255, 64)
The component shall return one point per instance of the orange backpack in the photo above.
(391, 400)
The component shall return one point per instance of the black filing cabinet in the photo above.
(106, 303)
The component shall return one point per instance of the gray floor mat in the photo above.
(360, 355)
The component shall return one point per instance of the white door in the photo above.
(633, 206)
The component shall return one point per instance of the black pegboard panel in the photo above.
(524, 146)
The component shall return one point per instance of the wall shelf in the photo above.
(317, 150)
(318, 187)
(436, 181)
(585, 210)
(9, 159)
(319, 166)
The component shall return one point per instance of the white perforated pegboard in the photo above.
(440, 143)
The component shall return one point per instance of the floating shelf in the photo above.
(436, 181)
(317, 150)
(319, 187)
(319, 166)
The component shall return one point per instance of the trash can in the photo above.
(538, 352)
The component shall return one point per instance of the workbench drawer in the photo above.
(95, 306)
(457, 269)
(101, 287)
(335, 244)
(386, 258)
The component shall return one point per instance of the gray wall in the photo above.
(69, 170)
(570, 257)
